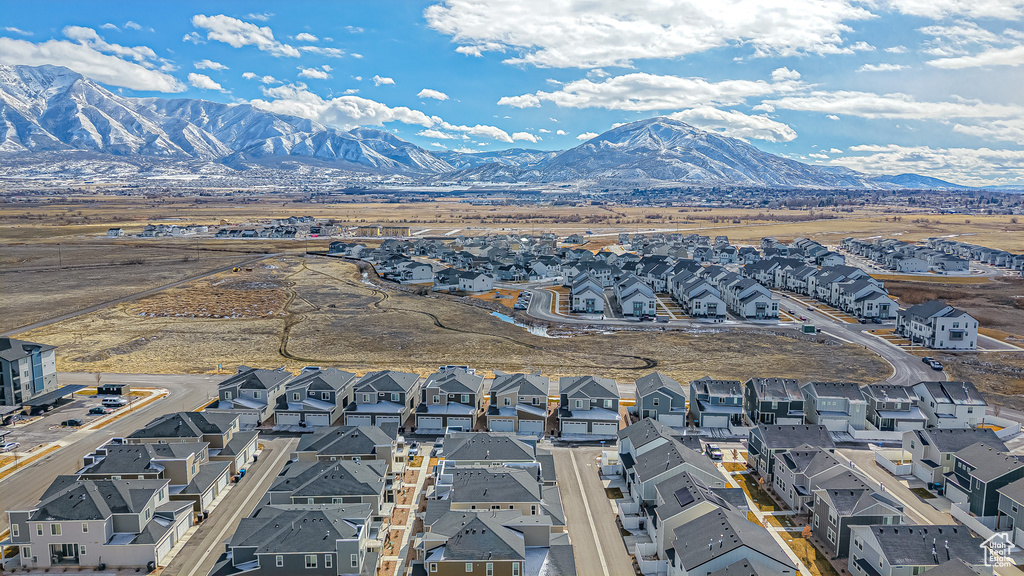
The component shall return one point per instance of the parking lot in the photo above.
(46, 428)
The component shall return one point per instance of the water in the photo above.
(535, 330)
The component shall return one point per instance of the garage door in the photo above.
(318, 419)
(207, 498)
(222, 482)
(531, 426)
(182, 527)
(288, 419)
(429, 422)
(605, 428)
(163, 549)
(358, 420)
(502, 425)
(715, 422)
(388, 420)
(465, 423)
(574, 427)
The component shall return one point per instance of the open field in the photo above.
(997, 304)
(334, 319)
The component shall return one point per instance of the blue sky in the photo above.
(882, 86)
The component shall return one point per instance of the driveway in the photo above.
(597, 544)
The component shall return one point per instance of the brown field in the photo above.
(334, 319)
(999, 376)
(997, 304)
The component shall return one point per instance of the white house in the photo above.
(938, 325)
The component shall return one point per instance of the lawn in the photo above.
(613, 493)
(922, 493)
(734, 466)
(755, 492)
(811, 557)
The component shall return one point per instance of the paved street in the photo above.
(597, 544)
(22, 489)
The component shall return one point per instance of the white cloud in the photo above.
(439, 145)
(525, 136)
(209, 65)
(193, 37)
(354, 29)
(306, 37)
(587, 135)
(261, 16)
(899, 49)
(939, 9)
(1008, 130)
(819, 155)
(991, 57)
(897, 105)
(17, 31)
(107, 26)
(481, 130)
(89, 37)
(835, 151)
(783, 74)
(313, 73)
(87, 60)
(960, 33)
(378, 80)
(341, 112)
(264, 79)
(595, 33)
(832, 117)
(645, 92)
(883, 67)
(204, 82)
(561, 133)
(435, 94)
(976, 167)
(132, 25)
(736, 124)
(238, 33)
(431, 133)
(324, 51)
(544, 131)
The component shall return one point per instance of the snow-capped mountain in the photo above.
(46, 111)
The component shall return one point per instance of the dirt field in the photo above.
(997, 304)
(334, 319)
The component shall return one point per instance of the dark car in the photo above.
(935, 364)
(876, 320)
(927, 359)
(100, 410)
(810, 307)
(73, 422)
(647, 317)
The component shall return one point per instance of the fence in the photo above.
(897, 461)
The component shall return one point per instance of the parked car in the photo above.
(791, 311)
(803, 318)
(9, 446)
(927, 359)
(876, 320)
(810, 307)
(72, 422)
(935, 364)
(100, 410)
(713, 451)
(114, 402)
(863, 320)
(647, 317)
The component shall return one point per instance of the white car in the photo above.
(114, 402)
(9, 446)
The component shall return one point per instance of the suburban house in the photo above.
(296, 540)
(589, 405)
(838, 406)
(635, 298)
(587, 295)
(497, 487)
(938, 325)
(475, 282)
(314, 398)
(979, 471)
(117, 523)
(898, 550)
(519, 403)
(662, 398)
(221, 431)
(27, 370)
(765, 441)
(893, 407)
(750, 300)
(932, 449)
(446, 280)
(332, 482)
(451, 397)
(843, 501)
(1010, 511)
(800, 470)
(647, 469)
(384, 397)
(773, 401)
(193, 477)
(252, 394)
(349, 443)
(722, 538)
(115, 232)
(716, 403)
(863, 298)
(953, 404)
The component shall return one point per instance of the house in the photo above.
(954, 404)
(446, 280)
(662, 398)
(1010, 511)
(487, 448)
(384, 397)
(892, 407)
(332, 482)
(589, 406)
(716, 403)
(363, 443)
(193, 477)
(117, 523)
(721, 538)
(315, 397)
(252, 394)
(470, 488)
(843, 501)
(932, 449)
(301, 540)
(938, 325)
(451, 397)
(765, 441)
(27, 370)
(475, 282)
(115, 232)
(748, 299)
(898, 550)
(519, 403)
(646, 469)
(635, 298)
(587, 295)
(800, 470)
(836, 405)
(979, 471)
(773, 401)
(227, 443)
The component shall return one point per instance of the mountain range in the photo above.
(49, 110)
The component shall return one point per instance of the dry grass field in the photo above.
(332, 318)
(998, 303)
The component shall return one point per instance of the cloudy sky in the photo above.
(934, 87)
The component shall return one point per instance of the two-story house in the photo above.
(252, 394)
(589, 406)
(332, 482)
(314, 398)
(450, 398)
(519, 403)
(938, 325)
(979, 471)
(843, 501)
(954, 404)
(800, 470)
(722, 540)
(773, 401)
(1010, 511)
(662, 398)
(359, 443)
(932, 449)
(893, 407)
(766, 441)
(384, 397)
(716, 403)
(220, 430)
(836, 405)
(889, 550)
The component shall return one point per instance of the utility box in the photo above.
(113, 389)
(809, 329)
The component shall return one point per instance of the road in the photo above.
(22, 489)
(201, 551)
(131, 297)
(597, 544)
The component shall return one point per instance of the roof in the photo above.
(785, 436)
(494, 484)
(776, 389)
(913, 545)
(989, 463)
(296, 529)
(645, 431)
(13, 350)
(848, 390)
(719, 532)
(740, 568)
(345, 440)
(718, 387)
(386, 381)
(588, 386)
(139, 458)
(658, 381)
(493, 446)
(256, 378)
(674, 454)
(69, 498)
(238, 442)
(455, 381)
(887, 392)
(956, 439)
(477, 536)
(522, 384)
(186, 425)
(954, 567)
(954, 392)
(681, 492)
(321, 379)
(926, 310)
(53, 395)
(208, 474)
(331, 478)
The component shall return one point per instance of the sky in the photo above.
(934, 87)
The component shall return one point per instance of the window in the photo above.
(465, 398)
(295, 396)
(366, 397)
(81, 549)
(325, 395)
(396, 397)
(55, 529)
(608, 403)
(508, 401)
(15, 530)
(256, 394)
(279, 561)
(437, 399)
(85, 526)
(354, 560)
(469, 566)
(39, 529)
(328, 560)
(310, 560)
(579, 403)
(831, 536)
(433, 567)
(490, 569)
(26, 551)
(515, 569)
(536, 400)
(227, 395)
(654, 402)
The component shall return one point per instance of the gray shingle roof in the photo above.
(674, 454)
(494, 484)
(588, 387)
(719, 387)
(988, 462)
(525, 384)
(345, 441)
(13, 350)
(719, 532)
(455, 381)
(784, 436)
(848, 390)
(776, 389)
(69, 498)
(322, 379)
(493, 446)
(657, 381)
(295, 529)
(913, 545)
(186, 425)
(740, 568)
(331, 478)
(386, 381)
(956, 439)
(256, 378)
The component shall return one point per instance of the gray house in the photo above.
(898, 550)
(385, 397)
(844, 501)
(951, 404)
(27, 370)
(1010, 511)
(519, 403)
(979, 471)
(773, 401)
(716, 403)
(451, 397)
(332, 482)
(662, 398)
(589, 405)
(892, 407)
(252, 394)
(799, 471)
(932, 449)
(314, 398)
(765, 441)
(721, 538)
(835, 405)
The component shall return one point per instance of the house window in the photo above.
(279, 561)
(81, 549)
(508, 401)
(831, 536)
(354, 560)
(310, 560)
(227, 395)
(295, 396)
(256, 394)
(654, 402)
(328, 561)
(55, 529)
(490, 569)
(579, 403)
(515, 569)
(26, 551)
(433, 567)
(396, 397)
(465, 398)
(39, 529)
(469, 566)
(536, 400)
(15, 530)
(85, 526)
(437, 399)
(607, 403)
(325, 395)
